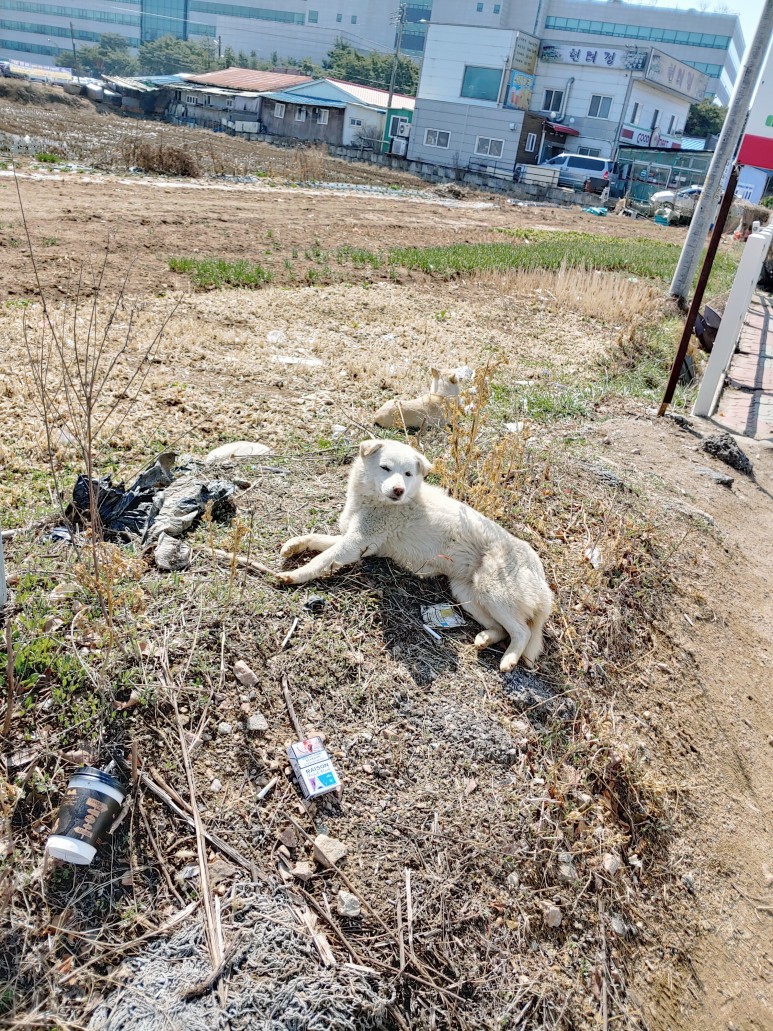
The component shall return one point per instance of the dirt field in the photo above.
(640, 813)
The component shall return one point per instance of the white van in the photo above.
(578, 169)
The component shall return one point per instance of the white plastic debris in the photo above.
(237, 449)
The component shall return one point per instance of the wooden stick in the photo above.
(290, 707)
(230, 556)
(288, 635)
(201, 848)
(213, 839)
(10, 678)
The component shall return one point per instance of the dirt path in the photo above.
(710, 720)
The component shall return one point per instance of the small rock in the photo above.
(256, 723)
(611, 863)
(724, 447)
(689, 883)
(288, 837)
(224, 729)
(302, 871)
(567, 872)
(619, 926)
(723, 479)
(348, 904)
(513, 881)
(329, 851)
(552, 917)
(215, 786)
(244, 674)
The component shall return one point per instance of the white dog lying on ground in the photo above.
(391, 512)
(430, 409)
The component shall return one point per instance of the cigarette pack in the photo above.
(313, 767)
(444, 617)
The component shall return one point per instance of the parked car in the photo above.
(682, 201)
(579, 170)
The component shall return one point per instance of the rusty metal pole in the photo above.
(700, 289)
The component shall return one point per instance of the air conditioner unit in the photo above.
(404, 129)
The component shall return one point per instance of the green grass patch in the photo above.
(541, 402)
(47, 158)
(641, 370)
(358, 256)
(548, 249)
(217, 272)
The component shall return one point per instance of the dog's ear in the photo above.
(423, 465)
(453, 378)
(370, 447)
(434, 373)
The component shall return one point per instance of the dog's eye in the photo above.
(406, 475)
(386, 468)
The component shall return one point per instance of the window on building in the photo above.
(531, 143)
(479, 8)
(589, 152)
(481, 83)
(655, 119)
(339, 17)
(395, 123)
(553, 100)
(488, 147)
(300, 114)
(497, 8)
(671, 124)
(599, 106)
(279, 110)
(354, 19)
(634, 113)
(229, 102)
(436, 138)
(313, 17)
(190, 98)
(355, 121)
(322, 116)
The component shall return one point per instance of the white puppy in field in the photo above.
(391, 512)
(430, 409)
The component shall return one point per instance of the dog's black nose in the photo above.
(398, 491)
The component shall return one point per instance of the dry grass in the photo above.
(611, 298)
(160, 158)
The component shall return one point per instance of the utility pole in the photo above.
(727, 144)
(400, 14)
(219, 47)
(74, 53)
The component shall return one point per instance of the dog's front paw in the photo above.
(508, 663)
(286, 576)
(295, 546)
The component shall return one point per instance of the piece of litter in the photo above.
(431, 632)
(594, 556)
(237, 449)
(514, 427)
(315, 603)
(313, 767)
(443, 616)
(288, 359)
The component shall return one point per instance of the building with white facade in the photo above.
(294, 29)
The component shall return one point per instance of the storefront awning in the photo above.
(562, 130)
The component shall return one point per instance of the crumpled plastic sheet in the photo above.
(155, 503)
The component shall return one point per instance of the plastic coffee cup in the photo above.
(92, 802)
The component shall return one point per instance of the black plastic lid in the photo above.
(100, 776)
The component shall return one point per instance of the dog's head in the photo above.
(393, 472)
(444, 382)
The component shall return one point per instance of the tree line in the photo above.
(167, 55)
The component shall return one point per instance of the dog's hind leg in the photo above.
(309, 542)
(492, 632)
(533, 649)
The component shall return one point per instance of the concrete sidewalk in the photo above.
(746, 402)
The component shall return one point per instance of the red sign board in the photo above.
(757, 143)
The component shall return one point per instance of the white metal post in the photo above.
(738, 302)
(706, 208)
